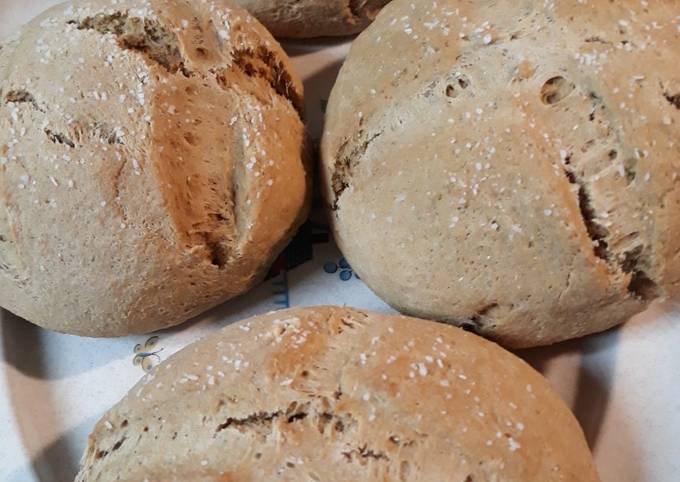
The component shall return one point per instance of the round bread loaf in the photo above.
(313, 18)
(511, 166)
(334, 394)
(151, 163)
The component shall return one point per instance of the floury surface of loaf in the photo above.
(511, 166)
(313, 18)
(151, 162)
(334, 394)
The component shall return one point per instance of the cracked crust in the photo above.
(530, 165)
(313, 18)
(335, 394)
(151, 163)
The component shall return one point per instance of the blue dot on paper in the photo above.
(330, 267)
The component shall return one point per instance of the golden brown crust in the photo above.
(517, 163)
(313, 18)
(337, 394)
(152, 163)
